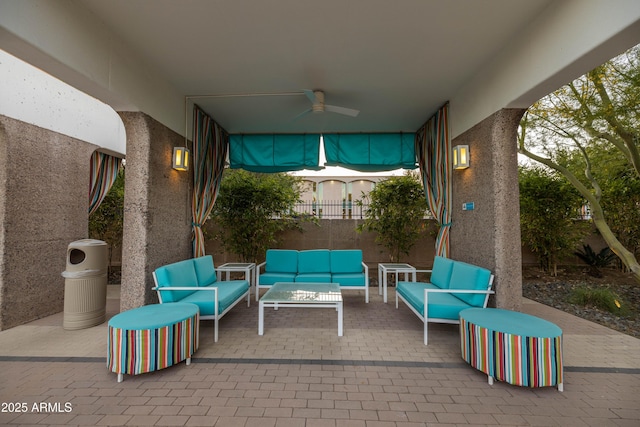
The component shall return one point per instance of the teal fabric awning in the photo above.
(375, 152)
(274, 153)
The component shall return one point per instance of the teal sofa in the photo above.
(453, 287)
(342, 266)
(195, 281)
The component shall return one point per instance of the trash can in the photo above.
(85, 287)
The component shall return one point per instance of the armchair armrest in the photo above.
(365, 267)
(262, 264)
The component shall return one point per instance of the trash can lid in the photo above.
(88, 242)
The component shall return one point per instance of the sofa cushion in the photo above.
(281, 261)
(346, 261)
(441, 305)
(441, 272)
(179, 274)
(271, 278)
(349, 279)
(314, 261)
(314, 277)
(228, 292)
(205, 270)
(445, 306)
(467, 276)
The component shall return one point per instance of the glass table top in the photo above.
(395, 266)
(303, 292)
(231, 265)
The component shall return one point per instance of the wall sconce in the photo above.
(181, 158)
(461, 157)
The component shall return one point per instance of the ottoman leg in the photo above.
(188, 361)
(560, 387)
(120, 377)
(490, 379)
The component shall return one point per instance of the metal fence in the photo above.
(332, 209)
(345, 209)
(337, 209)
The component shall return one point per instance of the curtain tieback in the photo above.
(448, 224)
(195, 224)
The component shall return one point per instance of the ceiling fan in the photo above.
(318, 106)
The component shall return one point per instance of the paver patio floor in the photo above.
(300, 373)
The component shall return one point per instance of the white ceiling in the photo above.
(395, 61)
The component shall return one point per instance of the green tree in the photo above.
(106, 222)
(253, 209)
(549, 208)
(396, 211)
(596, 112)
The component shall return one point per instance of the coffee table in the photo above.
(305, 295)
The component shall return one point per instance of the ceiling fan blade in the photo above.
(310, 95)
(342, 110)
(304, 113)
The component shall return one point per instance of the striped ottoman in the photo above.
(513, 347)
(152, 337)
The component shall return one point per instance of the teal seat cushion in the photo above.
(314, 261)
(154, 316)
(467, 276)
(445, 306)
(314, 278)
(349, 279)
(441, 272)
(346, 261)
(179, 274)
(228, 292)
(413, 292)
(271, 278)
(281, 261)
(511, 322)
(205, 270)
(441, 305)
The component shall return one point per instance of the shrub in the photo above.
(594, 260)
(601, 298)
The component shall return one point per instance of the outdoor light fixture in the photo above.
(461, 157)
(181, 158)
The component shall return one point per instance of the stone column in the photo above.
(157, 205)
(489, 235)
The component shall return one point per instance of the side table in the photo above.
(385, 268)
(248, 268)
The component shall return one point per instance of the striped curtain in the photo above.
(103, 171)
(210, 144)
(433, 148)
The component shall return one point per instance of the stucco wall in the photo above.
(157, 215)
(44, 181)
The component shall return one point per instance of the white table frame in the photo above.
(249, 269)
(337, 305)
(393, 268)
